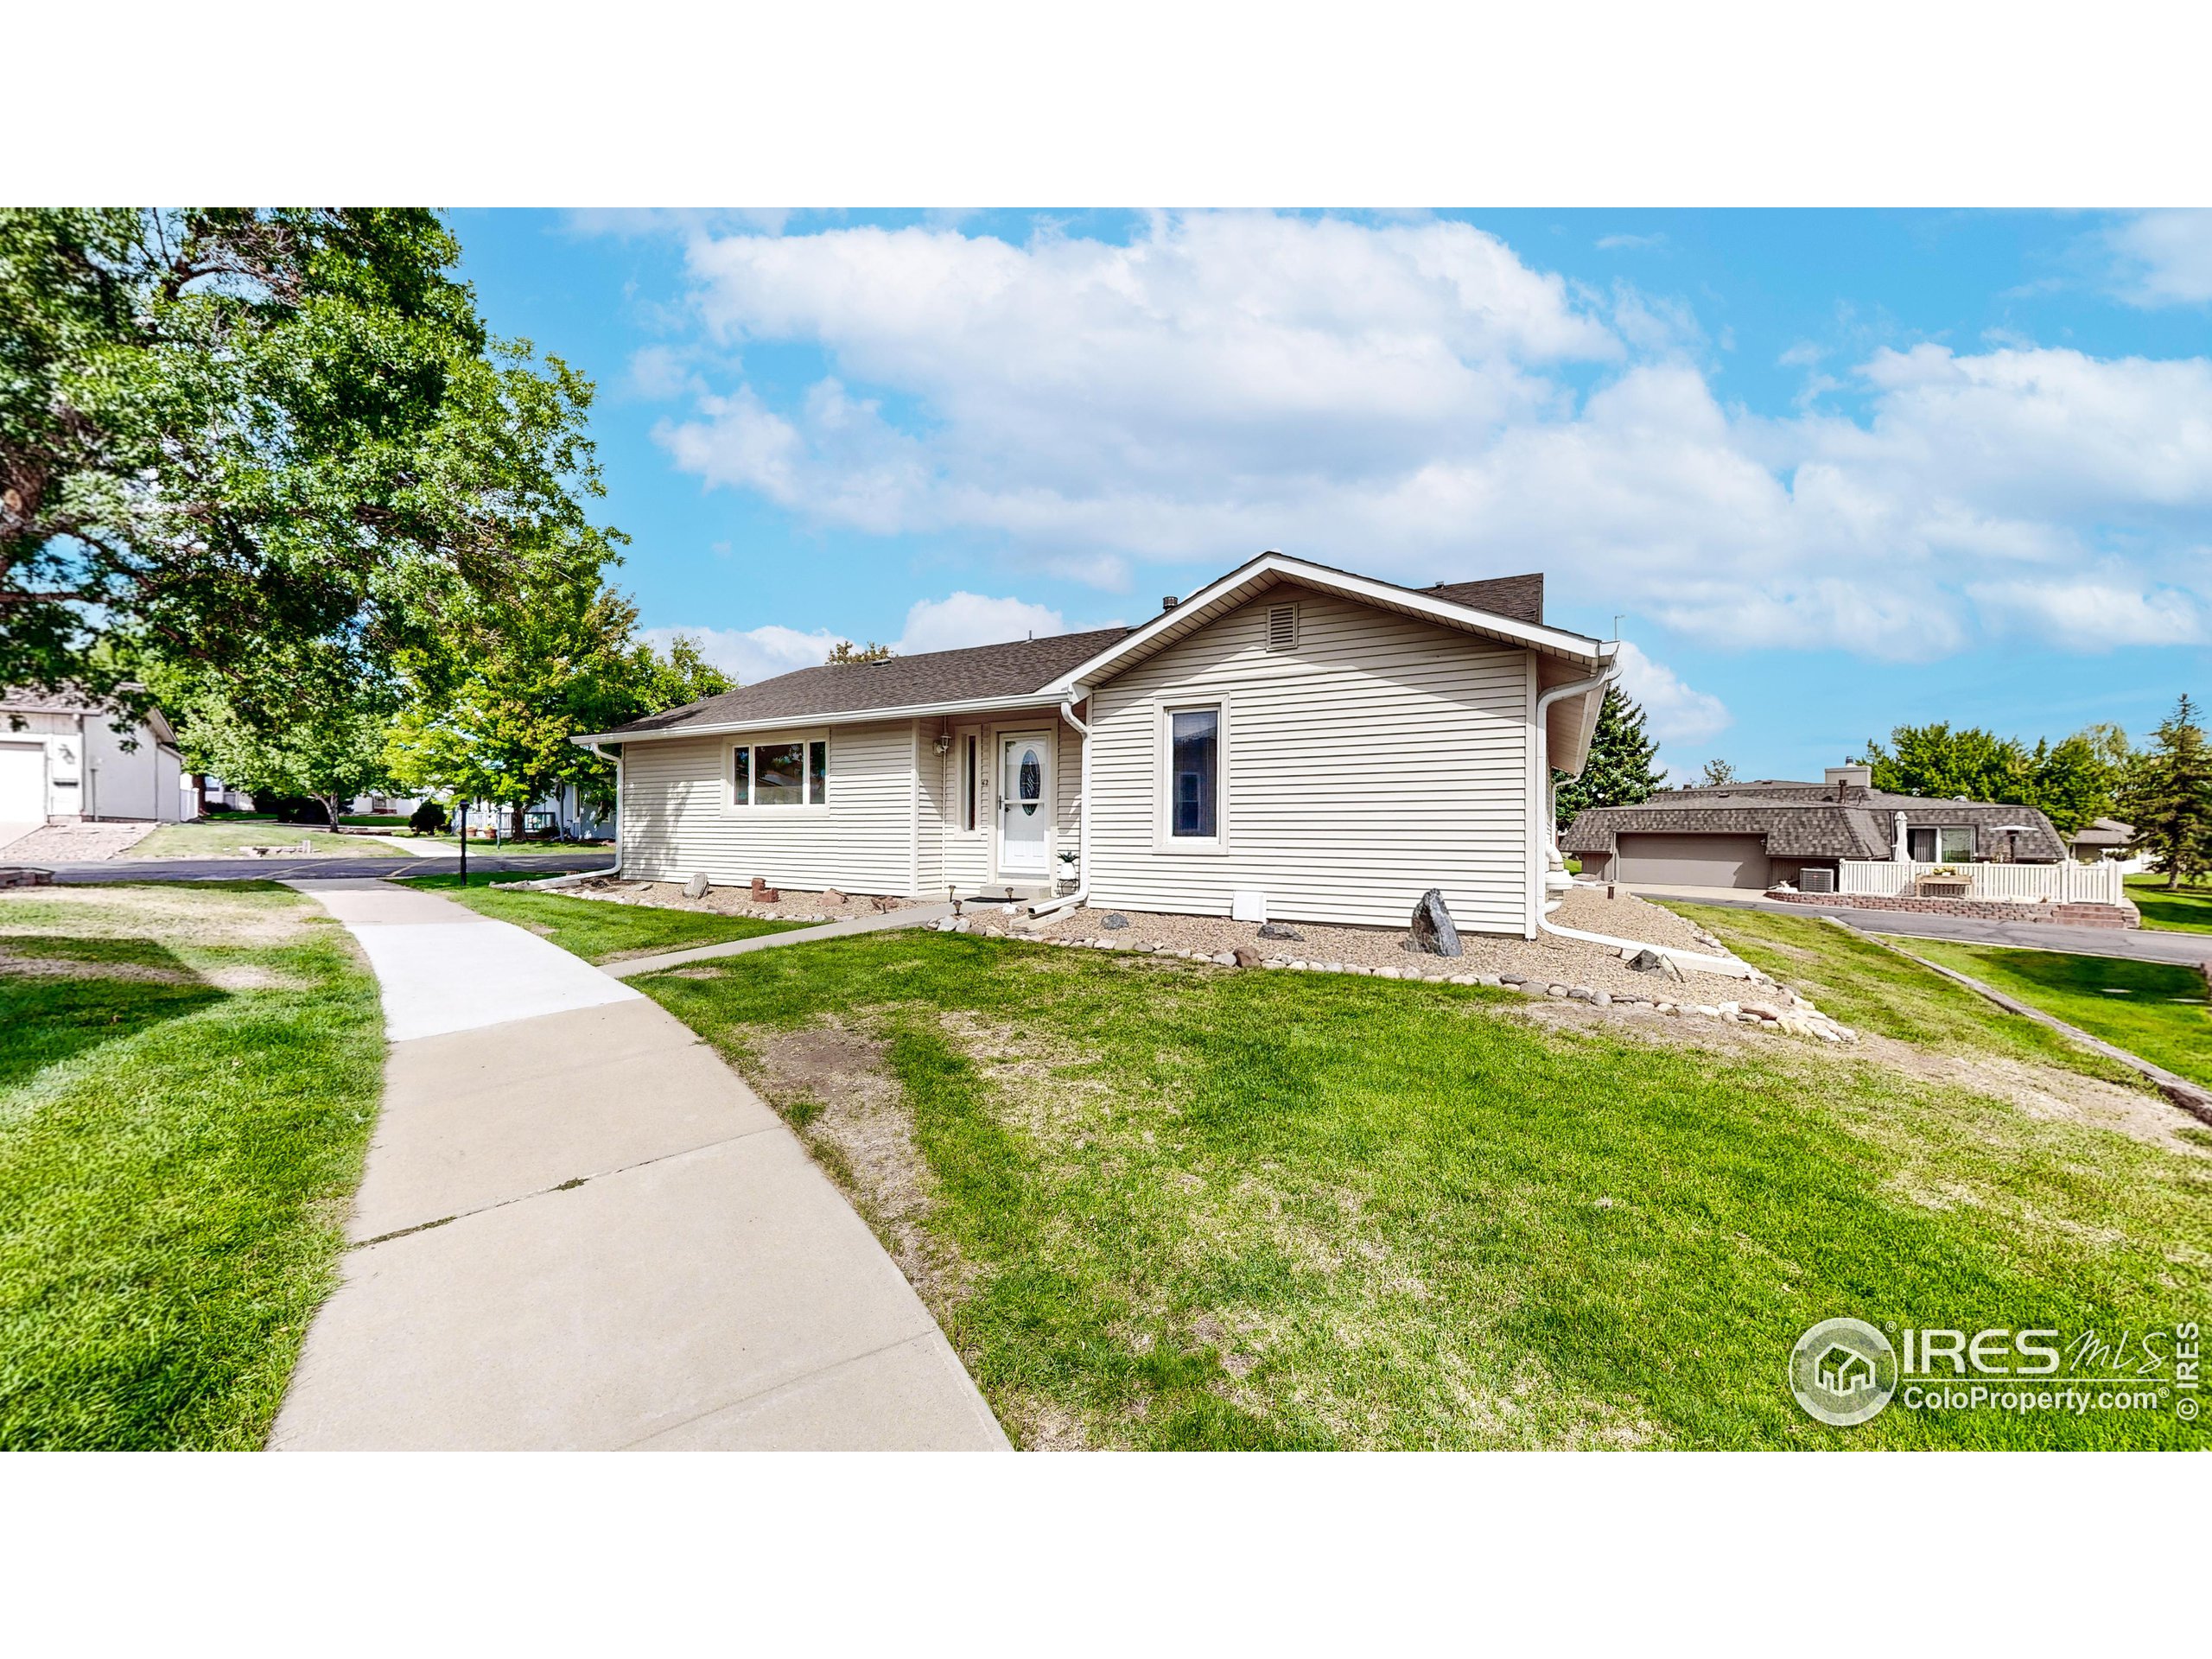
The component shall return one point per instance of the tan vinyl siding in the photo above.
(675, 819)
(1379, 757)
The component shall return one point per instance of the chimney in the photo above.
(1168, 601)
(1850, 782)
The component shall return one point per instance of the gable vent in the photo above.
(1282, 627)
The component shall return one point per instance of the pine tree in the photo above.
(2168, 796)
(1620, 772)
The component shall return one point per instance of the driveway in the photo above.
(2138, 945)
(578, 1228)
(14, 832)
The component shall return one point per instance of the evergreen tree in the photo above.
(2168, 796)
(1713, 773)
(1620, 772)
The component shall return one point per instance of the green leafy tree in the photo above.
(1620, 772)
(301, 721)
(496, 702)
(2167, 796)
(2071, 781)
(1935, 761)
(223, 430)
(846, 651)
(1713, 773)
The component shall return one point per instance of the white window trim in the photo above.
(1164, 766)
(727, 787)
(1936, 832)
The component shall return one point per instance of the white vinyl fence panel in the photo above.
(2067, 883)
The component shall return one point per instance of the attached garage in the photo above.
(22, 783)
(1694, 860)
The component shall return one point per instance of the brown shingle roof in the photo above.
(932, 677)
(979, 672)
(1813, 821)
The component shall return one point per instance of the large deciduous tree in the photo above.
(2167, 796)
(2071, 781)
(225, 430)
(1620, 772)
(496, 701)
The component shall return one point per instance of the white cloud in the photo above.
(965, 619)
(1609, 244)
(750, 654)
(2164, 258)
(1397, 398)
(1675, 713)
(2091, 615)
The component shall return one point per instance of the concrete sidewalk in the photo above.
(914, 916)
(578, 1228)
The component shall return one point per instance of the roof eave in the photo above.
(839, 717)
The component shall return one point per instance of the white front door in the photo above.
(1025, 806)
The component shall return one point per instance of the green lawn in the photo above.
(1156, 1204)
(505, 848)
(229, 836)
(187, 1079)
(2187, 909)
(2155, 1009)
(1873, 990)
(592, 928)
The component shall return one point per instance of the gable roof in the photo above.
(1815, 821)
(1024, 671)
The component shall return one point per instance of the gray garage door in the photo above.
(1695, 861)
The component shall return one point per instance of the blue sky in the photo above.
(1831, 470)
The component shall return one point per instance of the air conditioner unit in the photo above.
(1816, 880)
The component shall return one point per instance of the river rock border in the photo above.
(1785, 1011)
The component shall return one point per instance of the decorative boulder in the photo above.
(1433, 931)
(762, 893)
(697, 886)
(831, 896)
(1118, 920)
(1277, 931)
(1246, 957)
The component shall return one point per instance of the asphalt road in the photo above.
(327, 867)
(2142, 945)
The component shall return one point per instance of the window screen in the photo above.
(817, 772)
(1195, 765)
(741, 776)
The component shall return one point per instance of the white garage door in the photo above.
(22, 783)
(1693, 861)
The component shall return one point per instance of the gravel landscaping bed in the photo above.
(1566, 969)
(790, 906)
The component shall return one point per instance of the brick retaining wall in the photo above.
(1981, 910)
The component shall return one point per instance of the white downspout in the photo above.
(619, 813)
(1548, 857)
(1083, 826)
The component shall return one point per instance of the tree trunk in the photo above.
(514, 823)
(330, 804)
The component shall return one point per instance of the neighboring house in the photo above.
(1291, 739)
(61, 761)
(2105, 838)
(1760, 834)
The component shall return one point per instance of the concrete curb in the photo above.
(2191, 1097)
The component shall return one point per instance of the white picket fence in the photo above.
(2067, 883)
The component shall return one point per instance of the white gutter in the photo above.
(1547, 856)
(1082, 830)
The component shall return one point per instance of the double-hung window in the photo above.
(787, 772)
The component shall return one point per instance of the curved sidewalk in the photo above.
(578, 1228)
